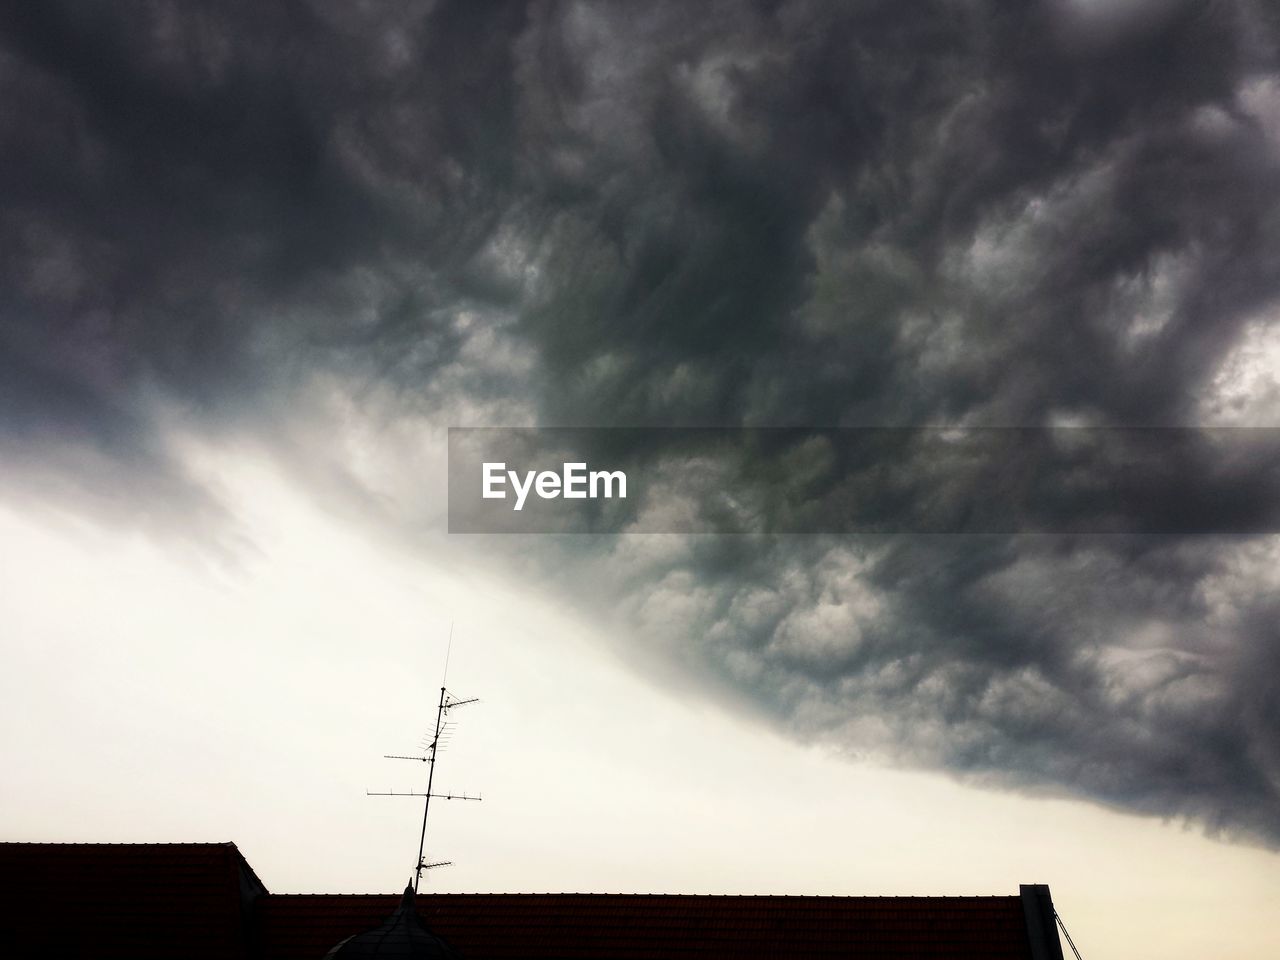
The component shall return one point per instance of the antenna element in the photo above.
(447, 702)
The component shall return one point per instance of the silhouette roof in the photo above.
(135, 900)
(495, 926)
(203, 901)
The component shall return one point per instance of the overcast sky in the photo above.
(255, 259)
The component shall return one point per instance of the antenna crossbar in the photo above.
(431, 748)
(418, 793)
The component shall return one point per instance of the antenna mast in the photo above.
(447, 702)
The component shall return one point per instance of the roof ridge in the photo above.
(118, 843)
(244, 862)
(690, 896)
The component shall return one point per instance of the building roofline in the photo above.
(237, 854)
(1042, 921)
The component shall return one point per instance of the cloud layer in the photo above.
(276, 220)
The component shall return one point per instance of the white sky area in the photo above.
(150, 694)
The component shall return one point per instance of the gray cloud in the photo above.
(761, 213)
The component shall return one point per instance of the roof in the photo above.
(203, 901)
(125, 900)
(403, 936)
(495, 926)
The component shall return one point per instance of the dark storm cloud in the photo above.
(202, 205)
(1124, 671)
(989, 214)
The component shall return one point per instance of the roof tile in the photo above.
(501, 926)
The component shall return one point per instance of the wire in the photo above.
(1058, 917)
(447, 650)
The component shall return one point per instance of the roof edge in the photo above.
(1041, 918)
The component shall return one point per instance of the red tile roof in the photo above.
(124, 900)
(565, 926)
(202, 901)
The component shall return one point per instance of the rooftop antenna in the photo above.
(447, 702)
